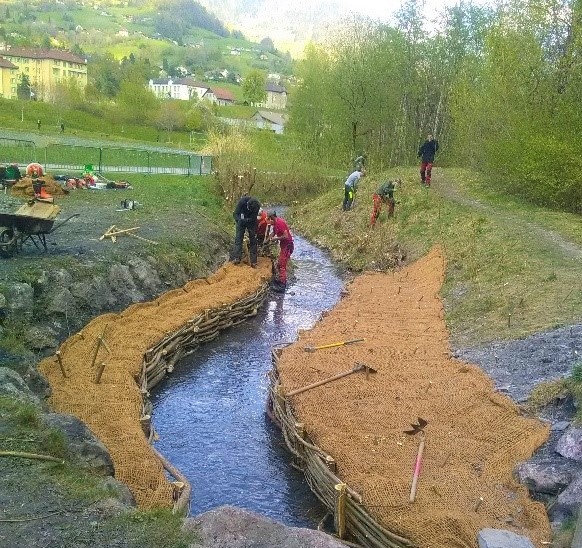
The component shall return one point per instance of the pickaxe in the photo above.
(331, 345)
(355, 369)
(417, 428)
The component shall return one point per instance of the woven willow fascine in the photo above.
(131, 352)
(474, 439)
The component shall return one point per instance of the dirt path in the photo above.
(550, 238)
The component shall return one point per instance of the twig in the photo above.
(19, 520)
(25, 455)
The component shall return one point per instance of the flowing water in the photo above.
(210, 412)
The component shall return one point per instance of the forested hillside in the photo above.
(499, 87)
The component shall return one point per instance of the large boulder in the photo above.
(544, 478)
(13, 385)
(123, 285)
(500, 538)
(40, 337)
(145, 274)
(87, 451)
(19, 299)
(93, 294)
(568, 502)
(570, 444)
(230, 527)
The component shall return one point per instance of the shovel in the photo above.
(355, 369)
(331, 345)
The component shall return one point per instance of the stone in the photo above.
(570, 444)
(230, 527)
(500, 538)
(123, 285)
(37, 383)
(94, 294)
(61, 301)
(87, 451)
(59, 278)
(546, 478)
(119, 490)
(145, 274)
(568, 502)
(13, 385)
(39, 338)
(560, 426)
(19, 299)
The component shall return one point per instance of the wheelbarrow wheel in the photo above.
(7, 241)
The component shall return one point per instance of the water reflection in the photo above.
(210, 416)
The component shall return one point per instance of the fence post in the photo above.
(100, 159)
(189, 165)
(149, 168)
(201, 162)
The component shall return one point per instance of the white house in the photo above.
(269, 120)
(179, 88)
(276, 97)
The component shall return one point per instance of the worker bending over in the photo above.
(281, 234)
(384, 195)
(350, 187)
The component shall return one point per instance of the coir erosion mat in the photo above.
(474, 437)
(113, 407)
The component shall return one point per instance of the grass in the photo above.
(503, 280)
(32, 487)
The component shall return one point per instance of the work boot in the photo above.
(236, 261)
(278, 287)
(254, 265)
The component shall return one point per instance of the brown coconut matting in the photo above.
(474, 438)
(112, 363)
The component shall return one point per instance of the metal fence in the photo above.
(104, 159)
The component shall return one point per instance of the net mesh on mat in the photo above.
(474, 437)
(112, 408)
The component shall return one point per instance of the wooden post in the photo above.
(99, 373)
(60, 360)
(98, 346)
(340, 510)
(146, 425)
(300, 431)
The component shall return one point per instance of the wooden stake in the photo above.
(116, 232)
(99, 373)
(60, 360)
(143, 239)
(340, 510)
(98, 346)
(106, 233)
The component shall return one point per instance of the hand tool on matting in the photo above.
(331, 345)
(417, 428)
(358, 367)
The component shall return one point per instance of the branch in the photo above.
(19, 520)
(24, 455)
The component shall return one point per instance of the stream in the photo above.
(210, 412)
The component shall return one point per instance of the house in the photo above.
(223, 96)
(8, 79)
(269, 120)
(276, 97)
(46, 68)
(183, 89)
(124, 33)
(235, 51)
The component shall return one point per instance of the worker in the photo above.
(384, 195)
(281, 234)
(360, 162)
(350, 187)
(245, 216)
(261, 227)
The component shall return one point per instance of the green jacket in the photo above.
(386, 190)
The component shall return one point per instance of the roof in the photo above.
(191, 83)
(223, 94)
(273, 117)
(57, 54)
(275, 88)
(5, 63)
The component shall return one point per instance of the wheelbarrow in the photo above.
(32, 222)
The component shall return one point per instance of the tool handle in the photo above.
(416, 471)
(331, 345)
(319, 383)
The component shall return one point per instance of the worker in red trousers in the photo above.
(281, 234)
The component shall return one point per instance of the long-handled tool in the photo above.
(331, 345)
(355, 369)
(417, 428)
